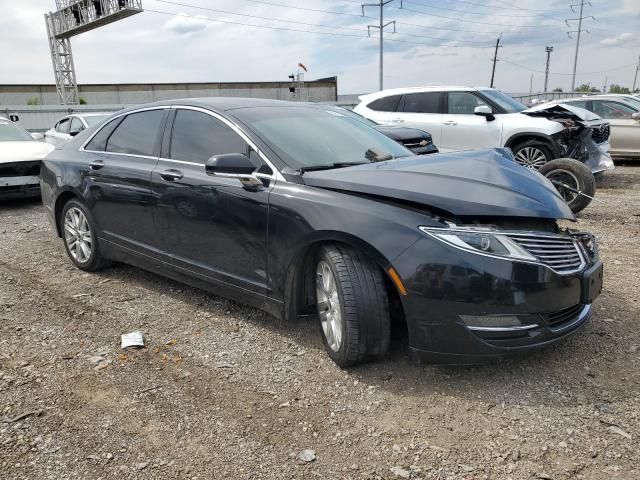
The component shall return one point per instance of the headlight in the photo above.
(481, 241)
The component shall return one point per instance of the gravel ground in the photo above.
(225, 391)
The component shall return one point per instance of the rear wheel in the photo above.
(80, 239)
(573, 180)
(532, 154)
(352, 305)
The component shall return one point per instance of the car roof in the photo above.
(220, 104)
(425, 88)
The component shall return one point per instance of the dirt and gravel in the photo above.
(225, 391)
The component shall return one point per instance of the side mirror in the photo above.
(234, 165)
(37, 136)
(636, 116)
(484, 111)
(73, 133)
(229, 165)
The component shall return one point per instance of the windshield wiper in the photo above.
(329, 166)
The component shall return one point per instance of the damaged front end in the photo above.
(20, 179)
(585, 136)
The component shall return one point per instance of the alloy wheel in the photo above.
(77, 235)
(329, 308)
(531, 157)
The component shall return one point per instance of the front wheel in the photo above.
(532, 154)
(573, 180)
(352, 305)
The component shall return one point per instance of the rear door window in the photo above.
(137, 134)
(197, 136)
(63, 126)
(463, 103)
(612, 110)
(424, 102)
(76, 125)
(385, 104)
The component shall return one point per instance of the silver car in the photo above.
(68, 127)
(624, 118)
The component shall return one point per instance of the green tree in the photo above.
(82, 101)
(585, 87)
(557, 89)
(33, 101)
(615, 88)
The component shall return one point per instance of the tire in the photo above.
(75, 218)
(361, 329)
(576, 175)
(532, 154)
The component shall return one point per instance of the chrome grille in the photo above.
(560, 253)
(560, 317)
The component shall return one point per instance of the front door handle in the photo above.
(450, 122)
(96, 164)
(397, 120)
(171, 175)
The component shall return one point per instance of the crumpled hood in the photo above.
(24, 151)
(553, 109)
(473, 183)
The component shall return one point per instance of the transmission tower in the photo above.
(580, 18)
(73, 17)
(381, 26)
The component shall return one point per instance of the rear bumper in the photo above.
(19, 187)
(443, 296)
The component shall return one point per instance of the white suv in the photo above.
(465, 118)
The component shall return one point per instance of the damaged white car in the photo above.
(20, 157)
(468, 118)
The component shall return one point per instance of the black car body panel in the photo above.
(474, 183)
(254, 244)
(418, 141)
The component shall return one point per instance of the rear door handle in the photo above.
(171, 175)
(450, 122)
(96, 164)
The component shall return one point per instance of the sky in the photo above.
(436, 42)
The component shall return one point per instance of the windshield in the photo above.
(356, 116)
(308, 136)
(94, 119)
(505, 101)
(10, 132)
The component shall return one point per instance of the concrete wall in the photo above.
(131, 93)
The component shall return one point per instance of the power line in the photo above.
(579, 31)
(288, 29)
(338, 27)
(565, 73)
(465, 12)
(429, 14)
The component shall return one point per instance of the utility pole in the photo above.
(580, 18)
(380, 27)
(495, 59)
(547, 49)
(604, 87)
(635, 78)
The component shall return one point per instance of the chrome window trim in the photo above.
(145, 109)
(276, 175)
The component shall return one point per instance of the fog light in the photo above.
(500, 322)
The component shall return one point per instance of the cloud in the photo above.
(187, 26)
(622, 39)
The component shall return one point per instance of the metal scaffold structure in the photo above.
(73, 17)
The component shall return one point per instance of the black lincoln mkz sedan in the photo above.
(297, 209)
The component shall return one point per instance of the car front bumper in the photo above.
(463, 285)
